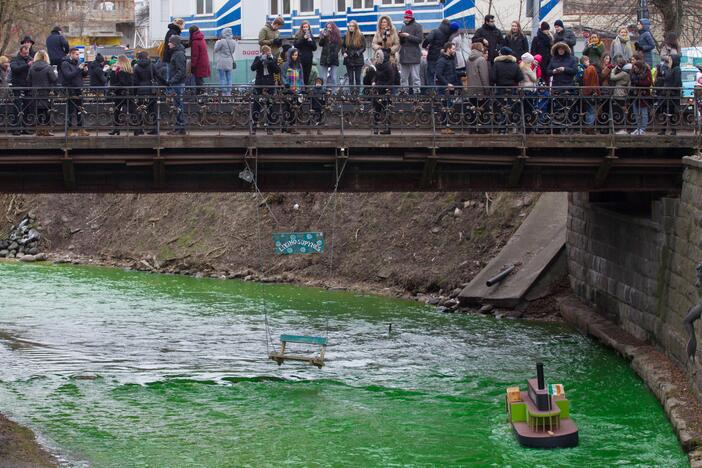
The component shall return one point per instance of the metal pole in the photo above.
(535, 17)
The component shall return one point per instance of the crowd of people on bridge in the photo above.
(459, 67)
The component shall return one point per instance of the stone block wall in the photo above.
(639, 270)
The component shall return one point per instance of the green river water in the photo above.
(118, 369)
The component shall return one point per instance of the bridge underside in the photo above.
(212, 162)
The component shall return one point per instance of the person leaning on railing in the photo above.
(620, 80)
(41, 78)
(447, 82)
(19, 68)
(144, 81)
(266, 67)
(176, 82)
(121, 83)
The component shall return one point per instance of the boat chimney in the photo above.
(540, 375)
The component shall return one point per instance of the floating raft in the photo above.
(539, 419)
(315, 359)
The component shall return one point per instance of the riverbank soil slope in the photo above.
(416, 242)
(19, 448)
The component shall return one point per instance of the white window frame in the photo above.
(204, 7)
(305, 12)
(281, 8)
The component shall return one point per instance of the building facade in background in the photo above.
(246, 17)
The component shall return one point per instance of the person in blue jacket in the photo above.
(646, 43)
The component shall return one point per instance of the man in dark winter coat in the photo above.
(174, 29)
(19, 68)
(490, 36)
(411, 37)
(564, 35)
(266, 68)
(176, 81)
(447, 79)
(434, 43)
(71, 74)
(541, 45)
(57, 46)
(96, 72)
(27, 40)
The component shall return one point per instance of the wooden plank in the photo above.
(315, 340)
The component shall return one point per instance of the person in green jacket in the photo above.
(594, 50)
(270, 35)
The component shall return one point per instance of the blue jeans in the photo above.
(640, 115)
(178, 91)
(225, 80)
(329, 72)
(590, 106)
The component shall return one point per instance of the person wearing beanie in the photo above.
(564, 35)
(411, 36)
(490, 36)
(528, 68)
(541, 45)
(505, 72)
(177, 74)
(516, 40)
(174, 29)
(57, 46)
(96, 73)
(434, 43)
(646, 43)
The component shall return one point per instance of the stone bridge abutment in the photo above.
(633, 257)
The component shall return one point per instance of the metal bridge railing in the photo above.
(73, 113)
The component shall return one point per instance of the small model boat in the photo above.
(540, 417)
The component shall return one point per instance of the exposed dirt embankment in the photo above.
(414, 242)
(19, 448)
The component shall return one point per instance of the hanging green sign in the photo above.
(289, 243)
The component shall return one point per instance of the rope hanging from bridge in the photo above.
(251, 175)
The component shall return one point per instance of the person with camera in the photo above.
(121, 82)
(71, 74)
(353, 48)
(270, 35)
(266, 67)
(387, 39)
(306, 45)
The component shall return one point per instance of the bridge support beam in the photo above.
(159, 171)
(429, 171)
(69, 171)
(605, 168)
(515, 175)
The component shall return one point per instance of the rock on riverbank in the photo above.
(22, 241)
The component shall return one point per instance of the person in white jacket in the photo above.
(224, 51)
(462, 43)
